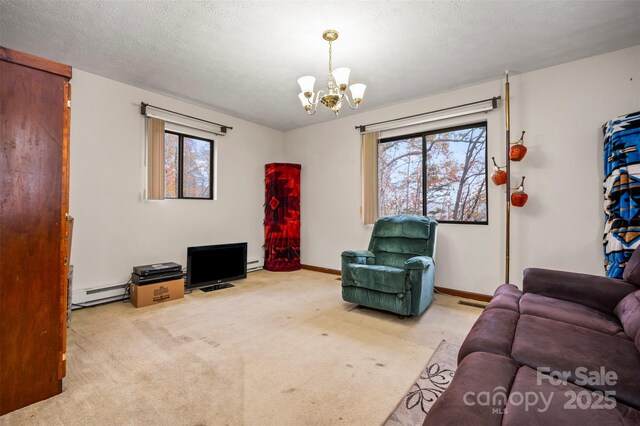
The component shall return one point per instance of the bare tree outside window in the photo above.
(196, 168)
(188, 166)
(400, 177)
(171, 147)
(455, 167)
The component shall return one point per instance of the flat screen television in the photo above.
(208, 265)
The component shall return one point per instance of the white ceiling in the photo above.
(243, 57)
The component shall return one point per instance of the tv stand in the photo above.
(216, 287)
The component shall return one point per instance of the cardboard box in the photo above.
(153, 294)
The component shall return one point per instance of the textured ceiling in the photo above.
(243, 57)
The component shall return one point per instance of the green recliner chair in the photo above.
(396, 273)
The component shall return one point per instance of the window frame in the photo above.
(180, 171)
(423, 135)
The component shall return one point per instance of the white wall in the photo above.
(115, 228)
(562, 108)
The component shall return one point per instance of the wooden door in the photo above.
(34, 132)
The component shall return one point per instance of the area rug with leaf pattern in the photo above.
(432, 382)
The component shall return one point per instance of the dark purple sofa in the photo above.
(564, 350)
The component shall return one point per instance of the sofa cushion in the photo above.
(493, 332)
(631, 273)
(571, 313)
(378, 277)
(477, 374)
(562, 347)
(628, 312)
(507, 296)
(553, 404)
(597, 292)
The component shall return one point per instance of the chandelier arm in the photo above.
(319, 95)
(345, 96)
(314, 103)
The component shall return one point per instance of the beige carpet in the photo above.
(278, 349)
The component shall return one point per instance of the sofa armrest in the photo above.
(597, 292)
(418, 262)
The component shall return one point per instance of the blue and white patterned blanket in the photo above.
(621, 191)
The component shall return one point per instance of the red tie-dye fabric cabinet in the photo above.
(282, 217)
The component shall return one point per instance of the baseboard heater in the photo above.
(96, 296)
(99, 295)
(254, 265)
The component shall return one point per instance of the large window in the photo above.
(188, 166)
(441, 174)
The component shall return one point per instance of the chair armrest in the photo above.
(364, 257)
(597, 292)
(357, 253)
(418, 262)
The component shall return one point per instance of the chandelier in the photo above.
(335, 92)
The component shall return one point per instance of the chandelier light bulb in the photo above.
(341, 76)
(305, 101)
(357, 92)
(306, 85)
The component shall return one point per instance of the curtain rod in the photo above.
(494, 104)
(144, 106)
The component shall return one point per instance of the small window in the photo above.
(441, 174)
(188, 166)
